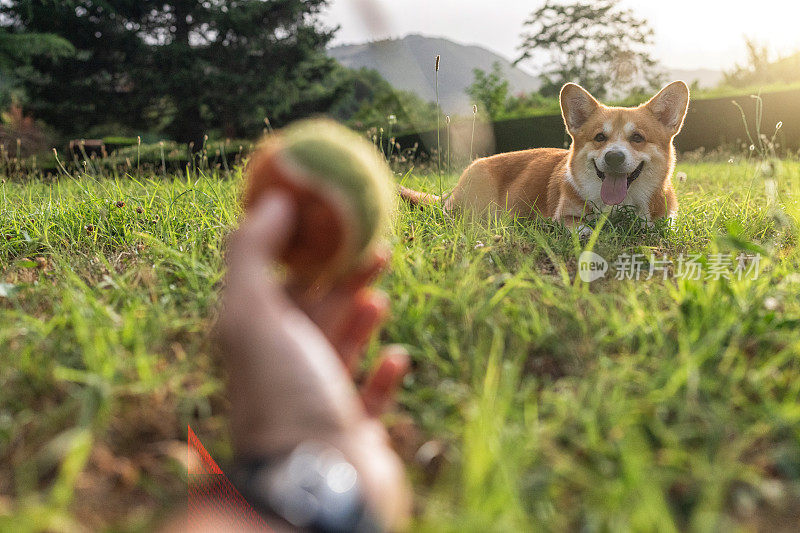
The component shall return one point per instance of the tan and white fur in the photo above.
(618, 156)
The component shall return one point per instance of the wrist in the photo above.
(364, 444)
(314, 487)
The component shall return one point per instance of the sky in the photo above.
(689, 34)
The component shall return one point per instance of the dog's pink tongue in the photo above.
(614, 188)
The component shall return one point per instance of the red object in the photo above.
(212, 496)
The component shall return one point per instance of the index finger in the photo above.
(373, 265)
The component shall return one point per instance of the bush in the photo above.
(114, 143)
(170, 155)
(21, 136)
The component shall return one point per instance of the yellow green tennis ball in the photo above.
(342, 187)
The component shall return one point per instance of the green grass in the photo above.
(619, 405)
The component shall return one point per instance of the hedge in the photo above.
(710, 124)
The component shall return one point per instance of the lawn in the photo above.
(554, 404)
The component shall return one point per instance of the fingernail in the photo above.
(397, 354)
(384, 254)
(381, 302)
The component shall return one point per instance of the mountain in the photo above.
(706, 78)
(408, 64)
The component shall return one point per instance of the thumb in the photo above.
(266, 228)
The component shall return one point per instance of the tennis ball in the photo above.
(342, 190)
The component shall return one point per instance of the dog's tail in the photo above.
(418, 198)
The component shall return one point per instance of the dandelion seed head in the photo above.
(771, 303)
(771, 189)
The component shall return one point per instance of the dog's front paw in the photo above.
(671, 220)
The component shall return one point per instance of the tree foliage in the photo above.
(17, 51)
(760, 69)
(490, 90)
(21, 48)
(369, 101)
(100, 82)
(597, 44)
(230, 64)
(190, 66)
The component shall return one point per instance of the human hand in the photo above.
(290, 352)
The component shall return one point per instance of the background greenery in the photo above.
(183, 69)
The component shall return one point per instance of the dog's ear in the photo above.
(669, 106)
(577, 105)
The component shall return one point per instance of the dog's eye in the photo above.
(600, 137)
(637, 138)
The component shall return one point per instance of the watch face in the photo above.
(313, 487)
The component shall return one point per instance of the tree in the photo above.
(231, 64)
(369, 101)
(190, 65)
(96, 84)
(362, 87)
(594, 43)
(490, 90)
(17, 51)
(760, 69)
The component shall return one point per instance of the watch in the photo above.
(314, 488)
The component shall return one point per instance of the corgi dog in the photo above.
(618, 156)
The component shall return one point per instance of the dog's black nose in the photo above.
(614, 158)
